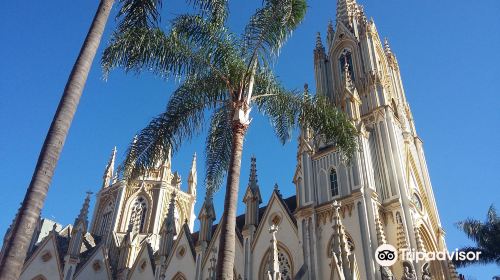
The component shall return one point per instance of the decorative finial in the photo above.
(276, 189)
(306, 89)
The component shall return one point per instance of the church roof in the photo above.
(290, 204)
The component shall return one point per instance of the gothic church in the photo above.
(329, 230)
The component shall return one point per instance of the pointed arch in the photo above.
(350, 244)
(286, 263)
(131, 210)
(431, 246)
(39, 277)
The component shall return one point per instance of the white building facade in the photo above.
(330, 229)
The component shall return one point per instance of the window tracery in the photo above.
(138, 213)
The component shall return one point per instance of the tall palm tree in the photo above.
(227, 76)
(486, 235)
(22, 229)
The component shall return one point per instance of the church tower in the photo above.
(385, 190)
(129, 214)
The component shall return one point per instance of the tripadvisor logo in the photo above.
(387, 255)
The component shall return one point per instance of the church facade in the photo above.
(330, 229)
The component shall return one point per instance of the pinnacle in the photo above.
(319, 43)
(252, 182)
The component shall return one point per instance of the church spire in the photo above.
(192, 177)
(330, 33)
(84, 211)
(168, 230)
(207, 218)
(78, 232)
(252, 197)
(107, 178)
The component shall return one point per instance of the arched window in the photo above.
(138, 213)
(286, 264)
(346, 57)
(106, 219)
(334, 184)
(39, 277)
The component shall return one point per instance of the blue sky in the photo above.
(448, 55)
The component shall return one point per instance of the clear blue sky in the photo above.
(448, 51)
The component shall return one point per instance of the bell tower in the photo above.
(386, 183)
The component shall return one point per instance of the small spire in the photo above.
(306, 89)
(340, 246)
(253, 181)
(83, 216)
(319, 43)
(170, 219)
(274, 265)
(330, 26)
(109, 172)
(192, 177)
(329, 33)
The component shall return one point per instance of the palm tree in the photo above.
(22, 229)
(486, 235)
(227, 76)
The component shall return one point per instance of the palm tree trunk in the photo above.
(22, 230)
(225, 255)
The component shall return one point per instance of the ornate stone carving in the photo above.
(408, 271)
(386, 273)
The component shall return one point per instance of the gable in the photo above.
(44, 262)
(276, 210)
(95, 268)
(181, 259)
(143, 267)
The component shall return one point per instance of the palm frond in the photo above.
(270, 26)
(218, 148)
(472, 228)
(150, 49)
(323, 117)
(182, 120)
(492, 216)
(281, 106)
(138, 14)
(215, 43)
(217, 10)
(287, 110)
